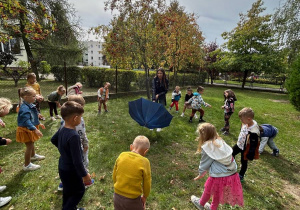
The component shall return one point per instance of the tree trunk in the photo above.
(244, 78)
(147, 82)
(27, 48)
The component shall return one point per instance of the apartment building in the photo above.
(93, 56)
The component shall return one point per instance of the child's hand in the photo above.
(143, 198)
(2, 123)
(42, 126)
(199, 176)
(80, 92)
(156, 96)
(38, 132)
(222, 107)
(87, 179)
(8, 141)
(209, 105)
(85, 148)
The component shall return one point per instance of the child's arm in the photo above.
(76, 154)
(146, 183)
(204, 166)
(26, 115)
(4, 141)
(242, 137)
(2, 123)
(204, 104)
(54, 139)
(115, 172)
(83, 136)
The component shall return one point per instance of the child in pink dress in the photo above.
(223, 183)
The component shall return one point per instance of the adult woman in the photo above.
(160, 86)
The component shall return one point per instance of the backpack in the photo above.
(251, 146)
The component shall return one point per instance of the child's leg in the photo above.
(263, 142)
(29, 152)
(86, 159)
(215, 202)
(104, 105)
(172, 104)
(201, 113)
(55, 109)
(204, 197)
(226, 118)
(100, 104)
(184, 108)
(271, 143)
(176, 105)
(73, 189)
(244, 165)
(51, 108)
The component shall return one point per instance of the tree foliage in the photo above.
(287, 25)
(211, 57)
(251, 43)
(293, 84)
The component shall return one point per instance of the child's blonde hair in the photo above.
(5, 103)
(77, 98)
(61, 88)
(107, 83)
(177, 87)
(206, 132)
(26, 91)
(31, 75)
(246, 112)
(141, 142)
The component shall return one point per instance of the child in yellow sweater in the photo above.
(132, 176)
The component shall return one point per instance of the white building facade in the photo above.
(93, 56)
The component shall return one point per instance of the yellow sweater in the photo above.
(132, 175)
(36, 87)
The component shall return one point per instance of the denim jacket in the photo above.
(28, 116)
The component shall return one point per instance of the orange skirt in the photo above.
(25, 135)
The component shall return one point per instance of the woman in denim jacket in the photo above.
(28, 127)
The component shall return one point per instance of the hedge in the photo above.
(73, 73)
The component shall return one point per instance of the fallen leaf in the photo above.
(102, 177)
(11, 208)
(172, 181)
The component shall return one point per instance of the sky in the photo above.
(214, 16)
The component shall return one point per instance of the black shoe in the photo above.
(222, 129)
(275, 152)
(201, 120)
(241, 178)
(225, 133)
(190, 121)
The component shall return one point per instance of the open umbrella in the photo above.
(149, 114)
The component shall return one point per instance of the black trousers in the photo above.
(52, 106)
(237, 150)
(73, 189)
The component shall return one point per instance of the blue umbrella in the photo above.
(149, 114)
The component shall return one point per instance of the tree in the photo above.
(15, 73)
(129, 37)
(180, 38)
(210, 58)
(293, 84)
(27, 20)
(251, 44)
(287, 26)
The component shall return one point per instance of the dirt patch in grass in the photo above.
(293, 190)
(280, 101)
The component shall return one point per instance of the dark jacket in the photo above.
(159, 88)
(187, 97)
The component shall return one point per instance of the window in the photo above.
(91, 46)
(92, 58)
(99, 46)
(12, 46)
(92, 52)
(99, 58)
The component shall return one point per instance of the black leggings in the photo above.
(226, 119)
(237, 150)
(52, 106)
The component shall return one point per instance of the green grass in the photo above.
(248, 84)
(270, 182)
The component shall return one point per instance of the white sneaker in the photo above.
(52, 118)
(158, 130)
(4, 200)
(58, 117)
(196, 117)
(182, 115)
(31, 167)
(38, 157)
(2, 188)
(196, 201)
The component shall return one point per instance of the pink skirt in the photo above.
(226, 189)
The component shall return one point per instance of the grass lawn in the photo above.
(270, 182)
(248, 84)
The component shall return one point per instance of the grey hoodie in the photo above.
(216, 157)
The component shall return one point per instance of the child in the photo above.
(229, 99)
(28, 127)
(103, 95)
(75, 89)
(132, 176)
(80, 129)
(54, 101)
(31, 82)
(176, 95)
(189, 94)
(196, 102)
(249, 125)
(223, 184)
(267, 137)
(5, 106)
(71, 169)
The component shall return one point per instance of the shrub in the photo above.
(293, 84)
(73, 73)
